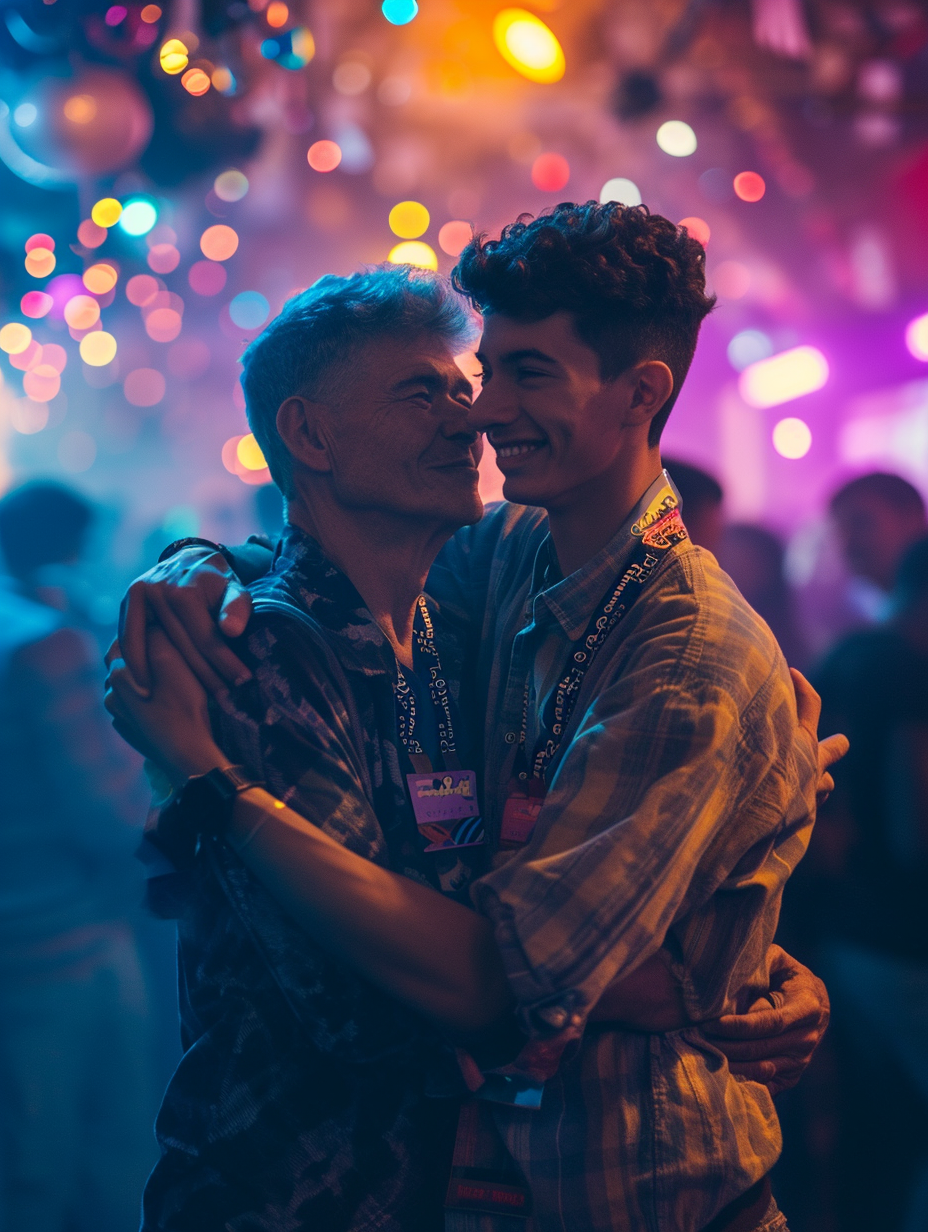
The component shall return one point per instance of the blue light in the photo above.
(399, 12)
(138, 217)
(249, 310)
(270, 49)
(25, 114)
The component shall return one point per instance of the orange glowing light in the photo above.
(40, 262)
(277, 14)
(15, 337)
(248, 452)
(80, 108)
(219, 243)
(100, 278)
(230, 455)
(414, 252)
(696, 229)
(454, 237)
(82, 312)
(28, 359)
(90, 234)
(150, 14)
(98, 349)
(163, 324)
(195, 82)
(324, 155)
(528, 46)
(749, 186)
(409, 220)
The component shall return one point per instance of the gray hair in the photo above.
(318, 330)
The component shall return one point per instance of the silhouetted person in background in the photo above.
(869, 857)
(75, 1133)
(702, 498)
(753, 557)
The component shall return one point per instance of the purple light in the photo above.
(115, 15)
(61, 289)
(783, 377)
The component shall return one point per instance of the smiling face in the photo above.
(395, 433)
(556, 425)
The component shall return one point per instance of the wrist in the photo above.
(193, 763)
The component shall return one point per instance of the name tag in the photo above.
(520, 813)
(446, 808)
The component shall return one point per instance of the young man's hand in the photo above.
(774, 1041)
(198, 601)
(832, 748)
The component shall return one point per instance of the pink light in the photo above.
(916, 338)
(782, 377)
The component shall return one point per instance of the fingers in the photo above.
(797, 1044)
(831, 750)
(188, 645)
(133, 622)
(235, 612)
(808, 703)
(760, 1071)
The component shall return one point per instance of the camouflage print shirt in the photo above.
(306, 1099)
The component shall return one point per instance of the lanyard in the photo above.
(657, 539)
(424, 643)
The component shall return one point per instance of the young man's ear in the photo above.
(300, 423)
(652, 385)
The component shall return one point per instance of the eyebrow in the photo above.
(515, 357)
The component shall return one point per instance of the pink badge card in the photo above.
(446, 808)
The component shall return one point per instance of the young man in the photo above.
(700, 748)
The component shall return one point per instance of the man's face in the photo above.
(553, 421)
(874, 537)
(398, 434)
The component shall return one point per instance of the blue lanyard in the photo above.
(424, 643)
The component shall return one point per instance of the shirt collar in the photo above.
(572, 600)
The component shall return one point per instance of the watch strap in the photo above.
(193, 541)
(206, 801)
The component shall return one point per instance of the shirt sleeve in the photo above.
(290, 728)
(674, 791)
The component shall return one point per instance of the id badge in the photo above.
(446, 808)
(520, 813)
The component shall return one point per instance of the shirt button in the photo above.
(511, 737)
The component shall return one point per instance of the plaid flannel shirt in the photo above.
(682, 798)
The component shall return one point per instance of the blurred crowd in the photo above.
(88, 1022)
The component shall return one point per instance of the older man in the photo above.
(396, 931)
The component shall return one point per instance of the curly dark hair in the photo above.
(635, 283)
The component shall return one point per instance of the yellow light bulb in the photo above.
(528, 46)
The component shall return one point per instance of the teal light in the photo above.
(138, 217)
(399, 12)
(249, 310)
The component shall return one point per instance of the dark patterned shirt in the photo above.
(306, 1099)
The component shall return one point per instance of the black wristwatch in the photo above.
(192, 541)
(205, 803)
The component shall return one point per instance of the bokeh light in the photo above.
(195, 81)
(25, 114)
(150, 14)
(173, 56)
(223, 80)
(98, 348)
(100, 278)
(163, 324)
(277, 14)
(15, 337)
(800, 370)
(454, 237)
(230, 455)
(42, 383)
(625, 192)
(219, 242)
(115, 14)
(749, 186)
(207, 277)
(36, 304)
(324, 156)
(163, 258)
(40, 240)
(528, 45)
(138, 217)
(28, 417)
(696, 229)
(55, 355)
(747, 347)
(82, 312)
(351, 77)
(916, 337)
(141, 289)
(409, 220)
(731, 279)
(677, 138)
(80, 109)
(28, 359)
(144, 386)
(91, 234)
(230, 185)
(399, 12)
(249, 310)
(414, 252)
(249, 454)
(792, 438)
(188, 359)
(40, 262)
(550, 172)
(106, 212)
